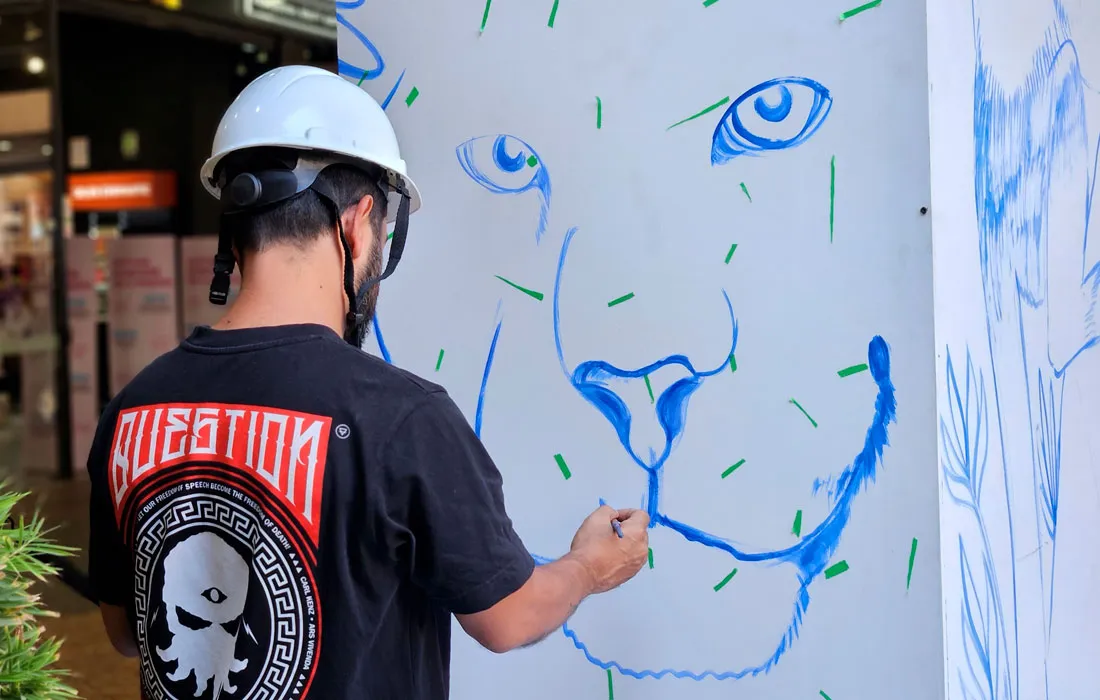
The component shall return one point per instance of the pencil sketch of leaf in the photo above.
(1049, 451)
(965, 437)
(983, 632)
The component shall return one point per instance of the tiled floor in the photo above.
(99, 673)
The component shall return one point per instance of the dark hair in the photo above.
(305, 217)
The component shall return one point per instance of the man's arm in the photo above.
(110, 570)
(542, 605)
(447, 500)
(598, 561)
(117, 625)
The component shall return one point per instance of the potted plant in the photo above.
(27, 655)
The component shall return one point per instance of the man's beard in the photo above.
(372, 270)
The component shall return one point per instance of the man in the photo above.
(278, 514)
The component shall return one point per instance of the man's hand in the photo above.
(610, 560)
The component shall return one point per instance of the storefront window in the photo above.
(28, 403)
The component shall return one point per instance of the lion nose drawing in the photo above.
(650, 433)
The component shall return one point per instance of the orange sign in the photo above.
(122, 191)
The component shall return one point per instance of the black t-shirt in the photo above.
(285, 516)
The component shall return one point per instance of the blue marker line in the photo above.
(350, 69)
(485, 379)
(381, 341)
(393, 91)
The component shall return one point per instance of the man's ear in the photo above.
(357, 227)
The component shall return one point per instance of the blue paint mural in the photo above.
(1034, 177)
(778, 114)
(760, 119)
(595, 381)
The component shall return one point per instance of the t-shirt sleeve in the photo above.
(464, 551)
(110, 566)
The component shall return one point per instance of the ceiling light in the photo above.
(35, 65)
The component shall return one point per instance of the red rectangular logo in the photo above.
(282, 451)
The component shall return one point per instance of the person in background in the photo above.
(275, 512)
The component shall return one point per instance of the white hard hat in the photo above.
(310, 109)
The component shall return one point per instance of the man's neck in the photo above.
(285, 286)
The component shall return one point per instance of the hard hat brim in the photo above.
(210, 167)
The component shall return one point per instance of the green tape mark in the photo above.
(553, 15)
(649, 388)
(610, 686)
(529, 292)
(732, 469)
(832, 196)
(723, 582)
(389, 235)
(708, 3)
(532, 161)
(360, 83)
(563, 466)
(729, 255)
(485, 15)
(746, 191)
(439, 360)
(599, 112)
(413, 94)
(713, 107)
(626, 297)
(822, 694)
(733, 362)
(854, 369)
(796, 529)
(650, 557)
(862, 8)
(836, 569)
(912, 558)
(808, 416)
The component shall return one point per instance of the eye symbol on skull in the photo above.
(205, 587)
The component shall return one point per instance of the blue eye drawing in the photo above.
(773, 116)
(506, 164)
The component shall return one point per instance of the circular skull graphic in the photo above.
(225, 604)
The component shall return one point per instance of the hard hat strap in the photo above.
(224, 261)
(397, 247)
(356, 321)
(355, 329)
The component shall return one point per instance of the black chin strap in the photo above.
(224, 261)
(355, 324)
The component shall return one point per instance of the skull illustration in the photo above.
(205, 587)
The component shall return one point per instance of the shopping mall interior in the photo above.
(107, 108)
